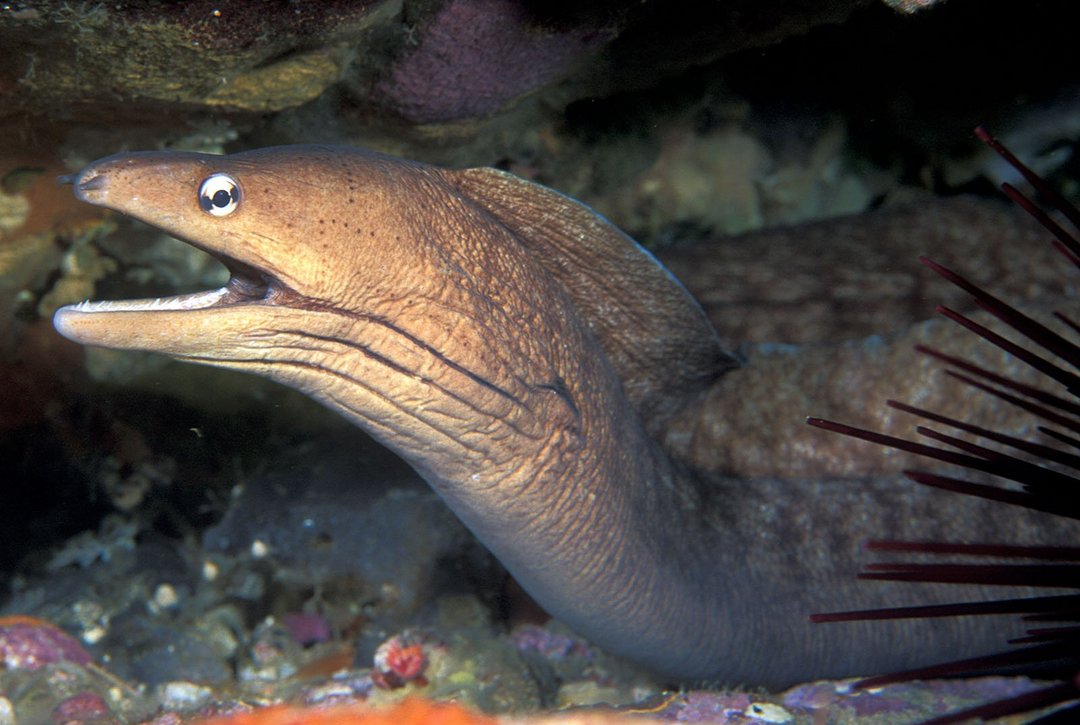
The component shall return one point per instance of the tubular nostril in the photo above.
(94, 183)
(90, 187)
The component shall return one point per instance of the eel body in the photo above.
(528, 359)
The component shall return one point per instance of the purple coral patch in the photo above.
(552, 645)
(29, 644)
(475, 56)
(81, 708)
(306, 628)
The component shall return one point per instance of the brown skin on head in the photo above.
(527, 358)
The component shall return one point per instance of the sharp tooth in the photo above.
(194, 301)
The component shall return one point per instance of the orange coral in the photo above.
(413, 711)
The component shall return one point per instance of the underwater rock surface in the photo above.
(428, 62)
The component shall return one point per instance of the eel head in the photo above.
(276, 219)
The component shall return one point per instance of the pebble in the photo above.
(7, 712)
(180, 695)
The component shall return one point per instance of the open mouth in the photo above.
(245, 286)
(194, 301)
(237, 291)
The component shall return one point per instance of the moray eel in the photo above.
(526, 357)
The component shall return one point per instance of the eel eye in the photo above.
(219, 195)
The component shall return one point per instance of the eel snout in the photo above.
(89, 185)
(128, 323)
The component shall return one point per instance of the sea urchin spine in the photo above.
(1043, 479)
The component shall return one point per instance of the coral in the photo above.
(29, 643)
(85, 707)
(306, 628)
(475, 56)
(732, 178)
(709, 181)
(398, 660)
(549, 644)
